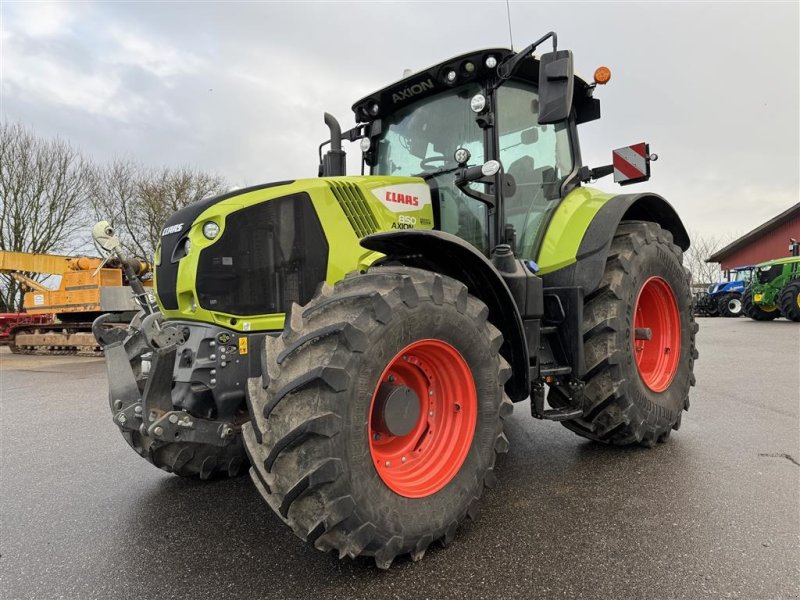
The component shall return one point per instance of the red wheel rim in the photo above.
(657, 336)
(425, 460)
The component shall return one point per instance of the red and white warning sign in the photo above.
(631, 164)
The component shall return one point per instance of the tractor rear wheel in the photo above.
(639, 342)
(730, 305)
(379, 419)
(789, 301)
(758, 312)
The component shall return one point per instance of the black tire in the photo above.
(705, 307)
(730, 305)
(308, 438)
(789, 301)
(619, 408)
(196, 461)
(756, 311)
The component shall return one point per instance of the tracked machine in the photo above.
(59, 320)
(359, 341)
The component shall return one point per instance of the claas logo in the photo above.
(402, 198)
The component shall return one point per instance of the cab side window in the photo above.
(537, 157)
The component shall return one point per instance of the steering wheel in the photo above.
(430, 162)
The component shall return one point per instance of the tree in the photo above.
(695, 257)
(137, 200)
(42, 198)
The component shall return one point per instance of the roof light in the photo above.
(602, 75)
(469, 66)
(450, 76)
(478, 103)
(374, 108)
(365, 144)
(461, 156)
(491, 62)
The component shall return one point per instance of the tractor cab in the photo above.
(493, 135)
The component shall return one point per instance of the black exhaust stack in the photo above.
(334, 162)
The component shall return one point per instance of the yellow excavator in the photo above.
(88, 288)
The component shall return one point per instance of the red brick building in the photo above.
(767, 241)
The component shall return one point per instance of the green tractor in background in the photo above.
(774, 290)
(361, 340)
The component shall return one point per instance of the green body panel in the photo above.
(765, 294)
(345, 254)
(567, 227)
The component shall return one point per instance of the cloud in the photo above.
(42, 19)
(239, 89)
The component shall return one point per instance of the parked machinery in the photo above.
(88, 287)
(727, 295)
(9, 321)
(774, 290)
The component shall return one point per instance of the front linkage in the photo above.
(152, 412)
(162, 375)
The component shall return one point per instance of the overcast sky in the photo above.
(239, 89)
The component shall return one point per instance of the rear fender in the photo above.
(589, 248)
(449, 255)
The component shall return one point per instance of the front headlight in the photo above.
(187, 246)
(210, 230)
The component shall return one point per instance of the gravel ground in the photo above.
(712, 513)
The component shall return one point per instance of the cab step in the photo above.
(552, 371)
(538, 410)
(559, 414)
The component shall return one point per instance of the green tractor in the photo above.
(774, 290)
(360, 340)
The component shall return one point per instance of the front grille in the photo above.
(355, 207)
(269, 256)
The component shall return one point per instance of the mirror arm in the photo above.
(487, 199)
(356, 133)
(506, 69)
(586, 174)
(473, 175)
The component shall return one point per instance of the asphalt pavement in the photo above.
(713, 513)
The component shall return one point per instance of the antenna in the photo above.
(508, 14)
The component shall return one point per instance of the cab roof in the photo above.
(470, 66)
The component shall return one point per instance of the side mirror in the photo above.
(556, 84)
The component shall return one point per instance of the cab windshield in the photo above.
(767, 274)
(422, 138)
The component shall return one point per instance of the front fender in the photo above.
(449, 255)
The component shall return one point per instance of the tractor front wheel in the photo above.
(377, 424)
(639, 342)
(789, 301)
(758, 312)
(730, 305)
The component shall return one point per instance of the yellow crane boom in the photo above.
(46, 264)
